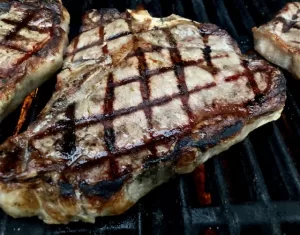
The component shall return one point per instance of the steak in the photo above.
(33, 37)
(279, 40)
(139, 100)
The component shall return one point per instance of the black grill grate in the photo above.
(254, 186)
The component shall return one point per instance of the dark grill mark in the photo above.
(207, 54)
(114, 37)
(185, 130)
(105, 50)
(29, 27)
(179, 72)
(296, 26)
(181, 135)
(103, 189)
(118, 36)
(109, 135)
(11, 46)
(22, 24)
(66, 189)
(295, 4)
(235, 77)
(69, 137)
(250, 78)
(164, 69)
(101, 34)
(109, 132)
(80, 123)
(144, 86)
(145, 90)
(288, 24)
(98, 43)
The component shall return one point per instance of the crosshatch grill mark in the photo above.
(287, 25)
(178, 67)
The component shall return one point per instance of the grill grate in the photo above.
(253, 188)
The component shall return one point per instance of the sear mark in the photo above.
(66, 189)
(103, 189)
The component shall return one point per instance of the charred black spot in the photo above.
(109, 132)
(151, 161)
(181, 144)
(228, 132)
(184, 142)
(203, 145)
(231, 130)
(207, 56)
(217, 138)
(69, 137)
(9, 164)
(103, 189)
(66, 189)
(119, 35)
(109, 138)
(258, 100)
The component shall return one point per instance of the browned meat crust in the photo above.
(139, 100)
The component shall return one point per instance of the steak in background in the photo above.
(279, 40)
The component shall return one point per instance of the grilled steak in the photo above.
(33, 37)
(139, 100)
(279, 40)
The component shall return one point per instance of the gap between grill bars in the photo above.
(254, 188)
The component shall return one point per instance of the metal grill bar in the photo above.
(228, 214)
(262, 195)
(200, 11)
(287, 212)
(224, 18)
(245, 15)
(283, 160)
(262, 9)
(185, 209)
(293, 114)
(177, 8)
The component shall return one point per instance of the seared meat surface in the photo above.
(33, 37)
(139, 100)
(279, 40)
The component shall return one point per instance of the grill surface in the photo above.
(253, 188)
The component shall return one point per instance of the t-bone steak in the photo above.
(139, 100)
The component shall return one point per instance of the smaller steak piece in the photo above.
(33, 37)
(279, 40)
(140, 99)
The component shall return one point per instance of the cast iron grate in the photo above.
(253, 188)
